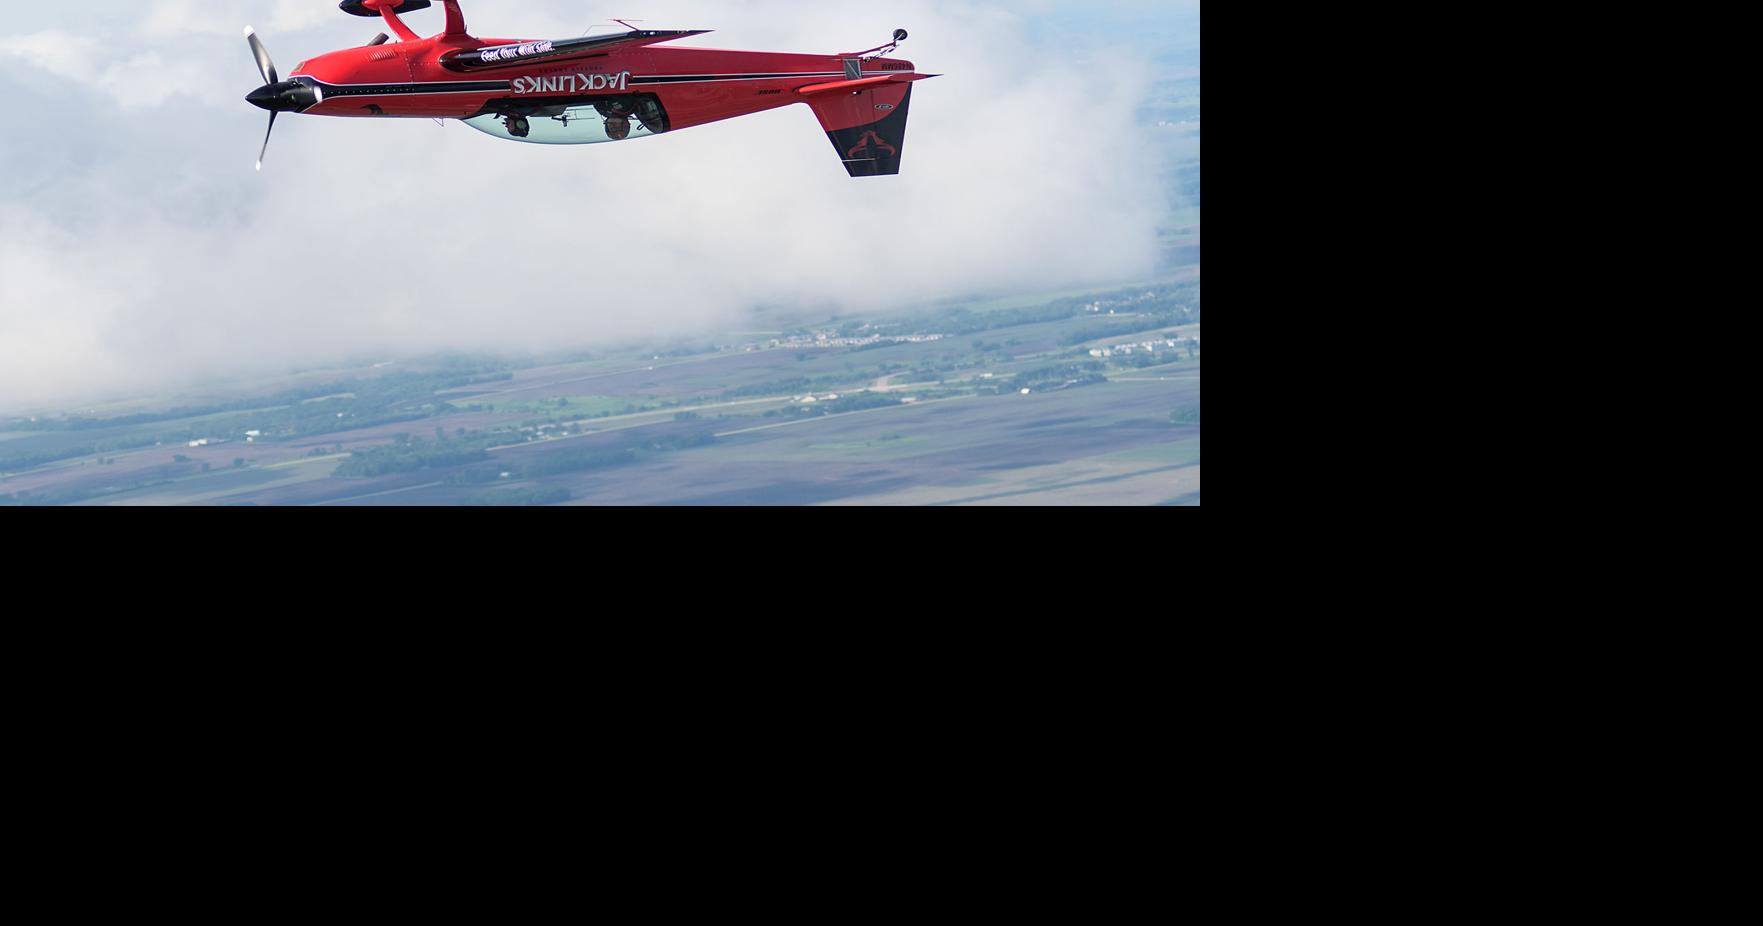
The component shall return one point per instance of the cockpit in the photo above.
(574, 122)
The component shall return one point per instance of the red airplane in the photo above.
(586, 90)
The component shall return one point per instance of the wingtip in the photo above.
(260, 167)
(250, 32)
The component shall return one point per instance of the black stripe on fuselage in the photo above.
(700, 78)
(498, 86)
(459, 86)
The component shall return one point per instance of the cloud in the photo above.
(59, 53)
(126, 78)
(138, 249)
(167, 19)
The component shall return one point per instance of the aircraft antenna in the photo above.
(621, 22)
(880, 50)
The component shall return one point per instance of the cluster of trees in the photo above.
(845, 403)
(1144, 358)
(459, 454)
(572, 461)
(575, 461)
(20, 460)
(409, 455)
(790, 386)
(415, 455)
(1178, 314)
(1058, 376)
(564, 410)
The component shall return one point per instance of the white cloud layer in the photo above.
(138, 249)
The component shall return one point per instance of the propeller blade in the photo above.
(266, 66)
(266, 135)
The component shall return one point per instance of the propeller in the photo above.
(265, 149)
(276, 95)
(266, 67)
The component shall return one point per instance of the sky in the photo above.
(140, 251)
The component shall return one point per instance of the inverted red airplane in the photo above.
(593, 89)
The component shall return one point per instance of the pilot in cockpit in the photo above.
(618, 119)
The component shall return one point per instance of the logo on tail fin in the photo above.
(872, 145)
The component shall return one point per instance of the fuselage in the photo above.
(692, 86)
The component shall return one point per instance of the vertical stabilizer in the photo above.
(867, 127)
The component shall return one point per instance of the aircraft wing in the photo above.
(492, 57)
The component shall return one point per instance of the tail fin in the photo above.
(867, 126)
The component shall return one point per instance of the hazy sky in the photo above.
(138, 249)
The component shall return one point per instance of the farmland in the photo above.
(921, 407)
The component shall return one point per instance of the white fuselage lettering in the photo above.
(513, 52)
(572, 83)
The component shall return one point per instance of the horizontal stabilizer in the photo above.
(860, 84)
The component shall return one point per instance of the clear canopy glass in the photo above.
(585, 124)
